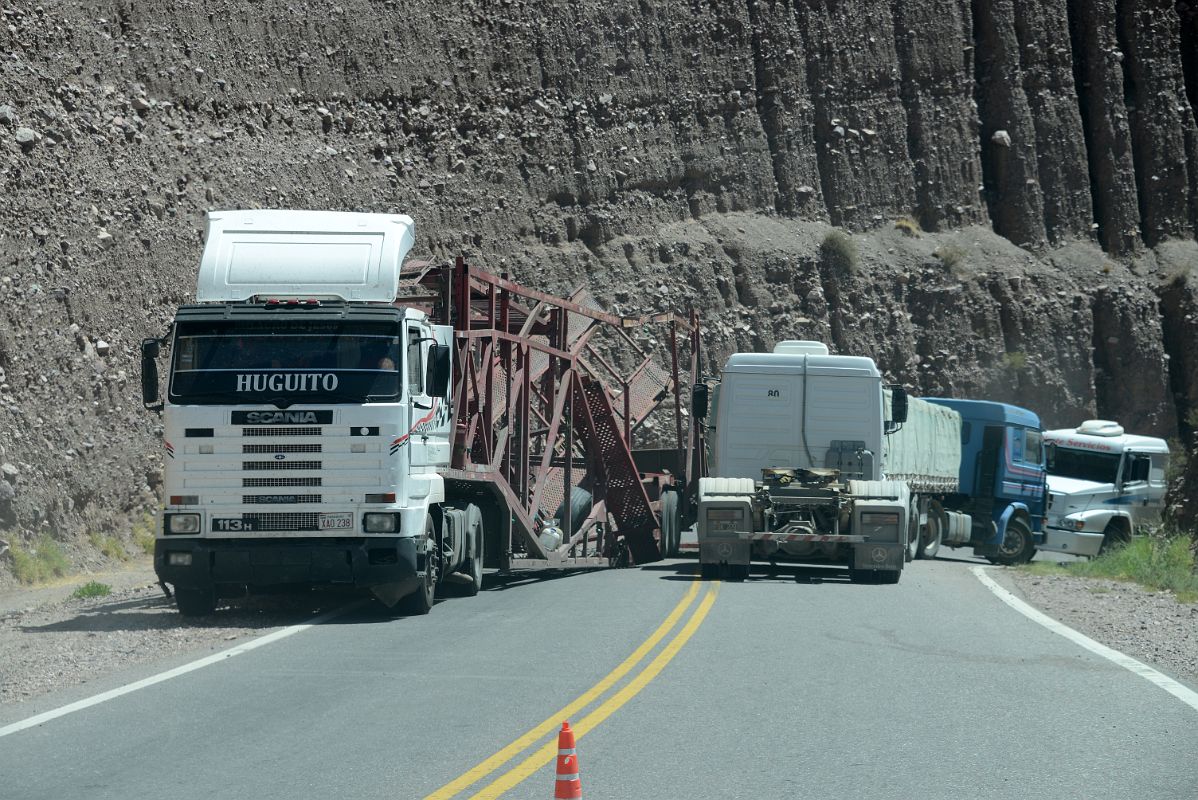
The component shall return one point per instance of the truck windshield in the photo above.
(1083, 465)
(292, 361)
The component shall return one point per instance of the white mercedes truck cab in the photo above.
(1103, 485)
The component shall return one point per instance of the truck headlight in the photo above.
(380, 522)
(182, 523)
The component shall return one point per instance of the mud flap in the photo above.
(719, 550)
(886, 556)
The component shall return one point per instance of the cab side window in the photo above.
(1137, 469)
(1033, 450)
(415, 362)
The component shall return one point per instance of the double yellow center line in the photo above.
(604, 710)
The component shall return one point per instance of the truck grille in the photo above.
(268, 499)
(281, 448)
(282, 431)
(252, 465)
(260, 483)
(296, 521)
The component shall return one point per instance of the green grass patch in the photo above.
(92, 589)
(1156, 561)
(1015, 361)
(143, 533)
(110, 546)
(41, 562)
(839, 252)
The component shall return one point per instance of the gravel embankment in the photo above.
(50, 641)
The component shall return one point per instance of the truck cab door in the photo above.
(1133, 490)
(429, 416)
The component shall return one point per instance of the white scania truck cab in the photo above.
(305, 417)
(1103, 484)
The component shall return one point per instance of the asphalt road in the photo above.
(774, 688)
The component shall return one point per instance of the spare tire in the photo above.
(581, 503)
(671, 525)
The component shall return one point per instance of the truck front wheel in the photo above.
(421, 601)
(1114, 535)
(1017, 546)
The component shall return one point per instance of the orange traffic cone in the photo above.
(567, 786)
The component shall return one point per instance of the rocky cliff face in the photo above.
(668, 154)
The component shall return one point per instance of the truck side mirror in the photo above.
(150, 349)
(1050, 455)
(439, 365)
(898, 404)
(699, 400)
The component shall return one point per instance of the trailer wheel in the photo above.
(421, 601)
(195, 601)
(934, 533)
(671, 525)
(1017, 546)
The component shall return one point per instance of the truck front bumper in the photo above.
(1077, 543)
(352, 561)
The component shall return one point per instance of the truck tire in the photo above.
(421, 601)
(914, 535)
(1115, 535)
(934, 534)
(195, 601)
(710, 572)
(737, 573)
(473, 565)
(1017, 546)
(580, 508)
(671, 525)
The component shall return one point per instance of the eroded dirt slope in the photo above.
(667, 154)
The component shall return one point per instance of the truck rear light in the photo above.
(206, 450)
(357, 448)
(185, 500)
(380, 523)
(385, 497)
(179, 559)
(181, 523)
(879, 519)
(725, 513)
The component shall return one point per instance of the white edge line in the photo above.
(103, 697)
(1181, 692)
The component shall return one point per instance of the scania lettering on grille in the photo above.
(282, 417)
(287, 382)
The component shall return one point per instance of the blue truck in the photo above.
(995, 501)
